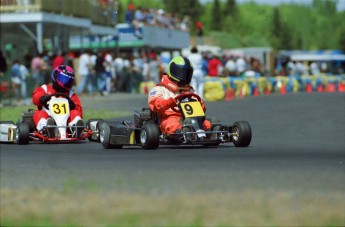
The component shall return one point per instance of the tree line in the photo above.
(287, 26)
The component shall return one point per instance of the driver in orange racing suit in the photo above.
(62, 81)
(162, 97)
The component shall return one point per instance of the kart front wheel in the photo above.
(23, 133)
(149, 136)
(95, 129)
(241, 134)
(104, 137)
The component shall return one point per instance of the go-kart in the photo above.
(144, 130)
(58, 109)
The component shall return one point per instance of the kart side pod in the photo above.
(8, 132)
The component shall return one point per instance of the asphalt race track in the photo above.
(298, 145)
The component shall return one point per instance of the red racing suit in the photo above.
(160, 101)
(41, 116)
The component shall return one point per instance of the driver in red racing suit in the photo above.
(62, 81)
(162, 97)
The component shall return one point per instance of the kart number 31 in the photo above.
(60, 108)
(192, 109)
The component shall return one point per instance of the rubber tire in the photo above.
(245, 133)
(88, 126)
(149, 136)
(23, 133)
(104, 137)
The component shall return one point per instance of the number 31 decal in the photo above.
(60, 108)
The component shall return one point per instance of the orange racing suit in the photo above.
(161, 99)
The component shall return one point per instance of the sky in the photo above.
(340, 4)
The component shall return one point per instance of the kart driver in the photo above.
(162, 97)
(62, 81)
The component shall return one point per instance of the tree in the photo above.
(193, 8)
(325, 7)
(230, 8)
(230, 14)
(342, 40)
(276, 28)
(216, 16)
(285, 38)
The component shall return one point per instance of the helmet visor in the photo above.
(184, 74)
(65, 80)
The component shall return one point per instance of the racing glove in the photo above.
(44, 99)
(166, 104)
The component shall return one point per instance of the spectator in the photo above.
(101, 74)
(129, 16)
(291, 68)
(199, 32)
(198, 80)
(139, 20)
(314, 69)
(19, 73)
(154, 68)
(84, 70)
(108, 62)
(241, 66)
(58, 60)
(214, 66)
(3, 64)
(37, 70)
(230, 67)
(119, 65)
(185, 23)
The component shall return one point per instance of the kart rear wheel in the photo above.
(23, 133)
(104, 137)
(241, 134)
(149, 136)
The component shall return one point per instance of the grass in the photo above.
(48, 207)
(14, 113)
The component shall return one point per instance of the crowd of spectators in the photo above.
(105, 72)
(140, 16)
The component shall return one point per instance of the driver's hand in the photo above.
(44, 99)
(167, 103)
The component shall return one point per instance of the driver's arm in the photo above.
(77, 103)
(36, 95)
(158, 104)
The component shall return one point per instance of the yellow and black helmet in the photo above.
(180, 70)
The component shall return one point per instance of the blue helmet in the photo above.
(63, 78)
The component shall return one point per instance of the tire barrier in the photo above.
(228, 88)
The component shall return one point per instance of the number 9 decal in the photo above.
(188, 109)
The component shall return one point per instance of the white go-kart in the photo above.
(25, 131)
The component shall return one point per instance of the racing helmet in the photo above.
(180, 70)
(63, 78)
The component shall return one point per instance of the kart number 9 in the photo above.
(192, 109)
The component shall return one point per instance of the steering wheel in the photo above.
(183, 96)
(58, 94)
